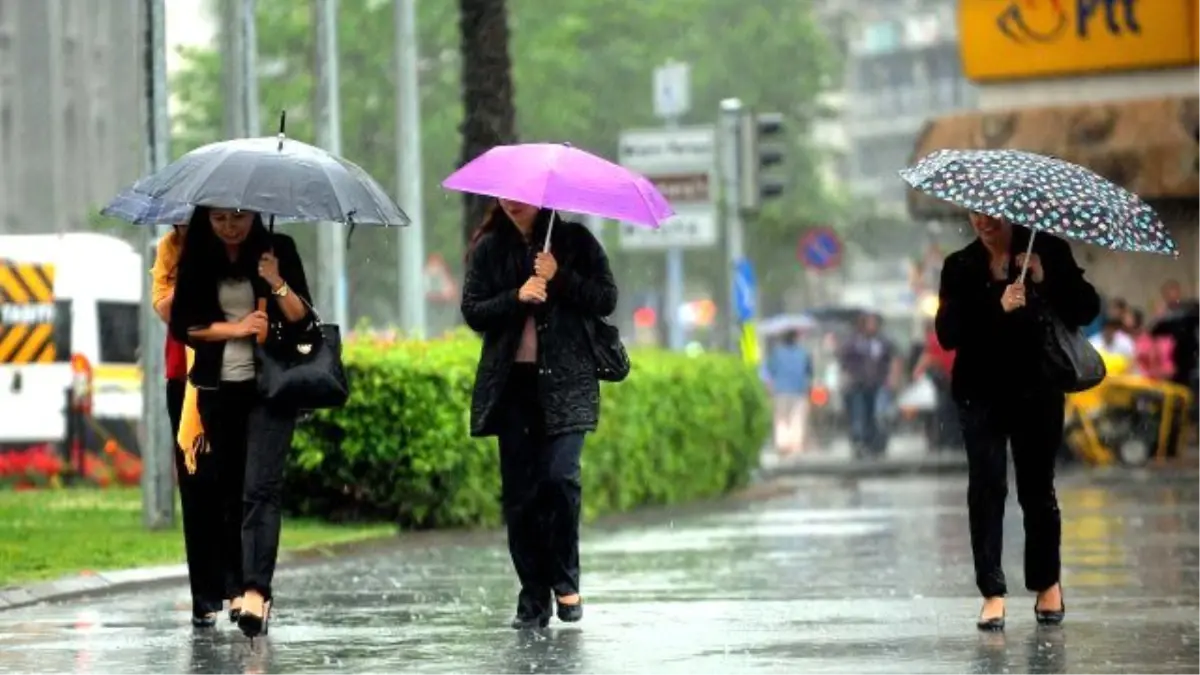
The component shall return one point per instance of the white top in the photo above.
(237, 301)
(1121, 344)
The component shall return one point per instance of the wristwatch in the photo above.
(282, 291)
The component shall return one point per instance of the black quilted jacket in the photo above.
(583, 286)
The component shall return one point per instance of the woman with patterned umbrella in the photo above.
(995, 298)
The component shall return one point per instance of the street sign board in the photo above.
(672, 90)
(680, 164)
(820, 249)
(745, 290)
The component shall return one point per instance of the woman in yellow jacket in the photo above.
(197, 480)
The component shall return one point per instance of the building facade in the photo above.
(902, 67)
(71, 109)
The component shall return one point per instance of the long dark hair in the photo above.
(204, 260)
(494, 220)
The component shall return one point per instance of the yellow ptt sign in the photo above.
(1025, 39)
(27, 313)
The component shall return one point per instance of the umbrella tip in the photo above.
(568, 144)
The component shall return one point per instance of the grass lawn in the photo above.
(45, 534)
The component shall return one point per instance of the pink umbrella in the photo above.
(561, 177)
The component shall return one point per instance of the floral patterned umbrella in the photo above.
(1044, 194)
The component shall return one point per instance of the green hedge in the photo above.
(679, 428)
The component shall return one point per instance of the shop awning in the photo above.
(1148, 146)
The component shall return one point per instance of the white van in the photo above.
(63, 297)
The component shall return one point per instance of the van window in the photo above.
(62, 331)
(119, 331)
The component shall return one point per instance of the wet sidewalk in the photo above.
(873, 576)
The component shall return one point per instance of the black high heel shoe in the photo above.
(569, 613)
(204, 620)
(1051, 617)
(253, 626)
(993, 624)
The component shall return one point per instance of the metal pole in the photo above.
(408, 171)
(233, 69)
(675, 282)
(730, 135)
(249, 63)
(331, 237)
(157, 446)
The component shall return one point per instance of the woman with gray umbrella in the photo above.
(236, 282)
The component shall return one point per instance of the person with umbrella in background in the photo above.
(789, 370)
(1011, 303)
(538, 289)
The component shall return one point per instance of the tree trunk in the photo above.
(489, 117)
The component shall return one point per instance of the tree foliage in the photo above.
(581, 72)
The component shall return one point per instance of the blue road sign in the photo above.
(745, 290)
(820, 249)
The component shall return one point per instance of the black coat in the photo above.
(997, 353)
(583, 287)
(196, 305)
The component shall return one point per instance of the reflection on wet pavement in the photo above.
(872, 577)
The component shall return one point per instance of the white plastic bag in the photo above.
(920, 395)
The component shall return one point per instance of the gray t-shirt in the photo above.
(237, 301)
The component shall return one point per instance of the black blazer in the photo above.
(998, 353)
(196, 305)
(582, 289)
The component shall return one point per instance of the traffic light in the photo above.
(761, 147)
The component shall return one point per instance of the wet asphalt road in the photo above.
(867, 577)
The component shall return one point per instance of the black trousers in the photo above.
(542, 496)
(1034, 425)
(201, 517)
(250, 443)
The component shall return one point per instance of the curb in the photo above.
(99, 584)
(857, 469)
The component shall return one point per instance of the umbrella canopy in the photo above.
(560, 177)
(1044, 194)
(277, 176)
(140, 209)
(786, 323)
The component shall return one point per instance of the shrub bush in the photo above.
(679, 428)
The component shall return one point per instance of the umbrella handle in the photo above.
(549, 231)
(1028, 252)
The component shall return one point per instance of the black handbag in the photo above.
(1069, 362)
(608, 352)
(303, 371)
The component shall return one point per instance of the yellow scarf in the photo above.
(190, 439)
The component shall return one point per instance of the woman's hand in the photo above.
(534, 291)
(1035, 271)
(1013, 298)
(252, 324)
(268, 269)
(545, 266)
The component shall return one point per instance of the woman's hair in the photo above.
(493, 218)
(204, 259)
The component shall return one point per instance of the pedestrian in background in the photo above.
(868, 363)
(789, 371)
(197, 488)
(237, 281)
(990, 319)
(536, 387)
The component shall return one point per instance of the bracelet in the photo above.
(282, 291)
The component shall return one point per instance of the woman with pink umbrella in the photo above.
(537, 291)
